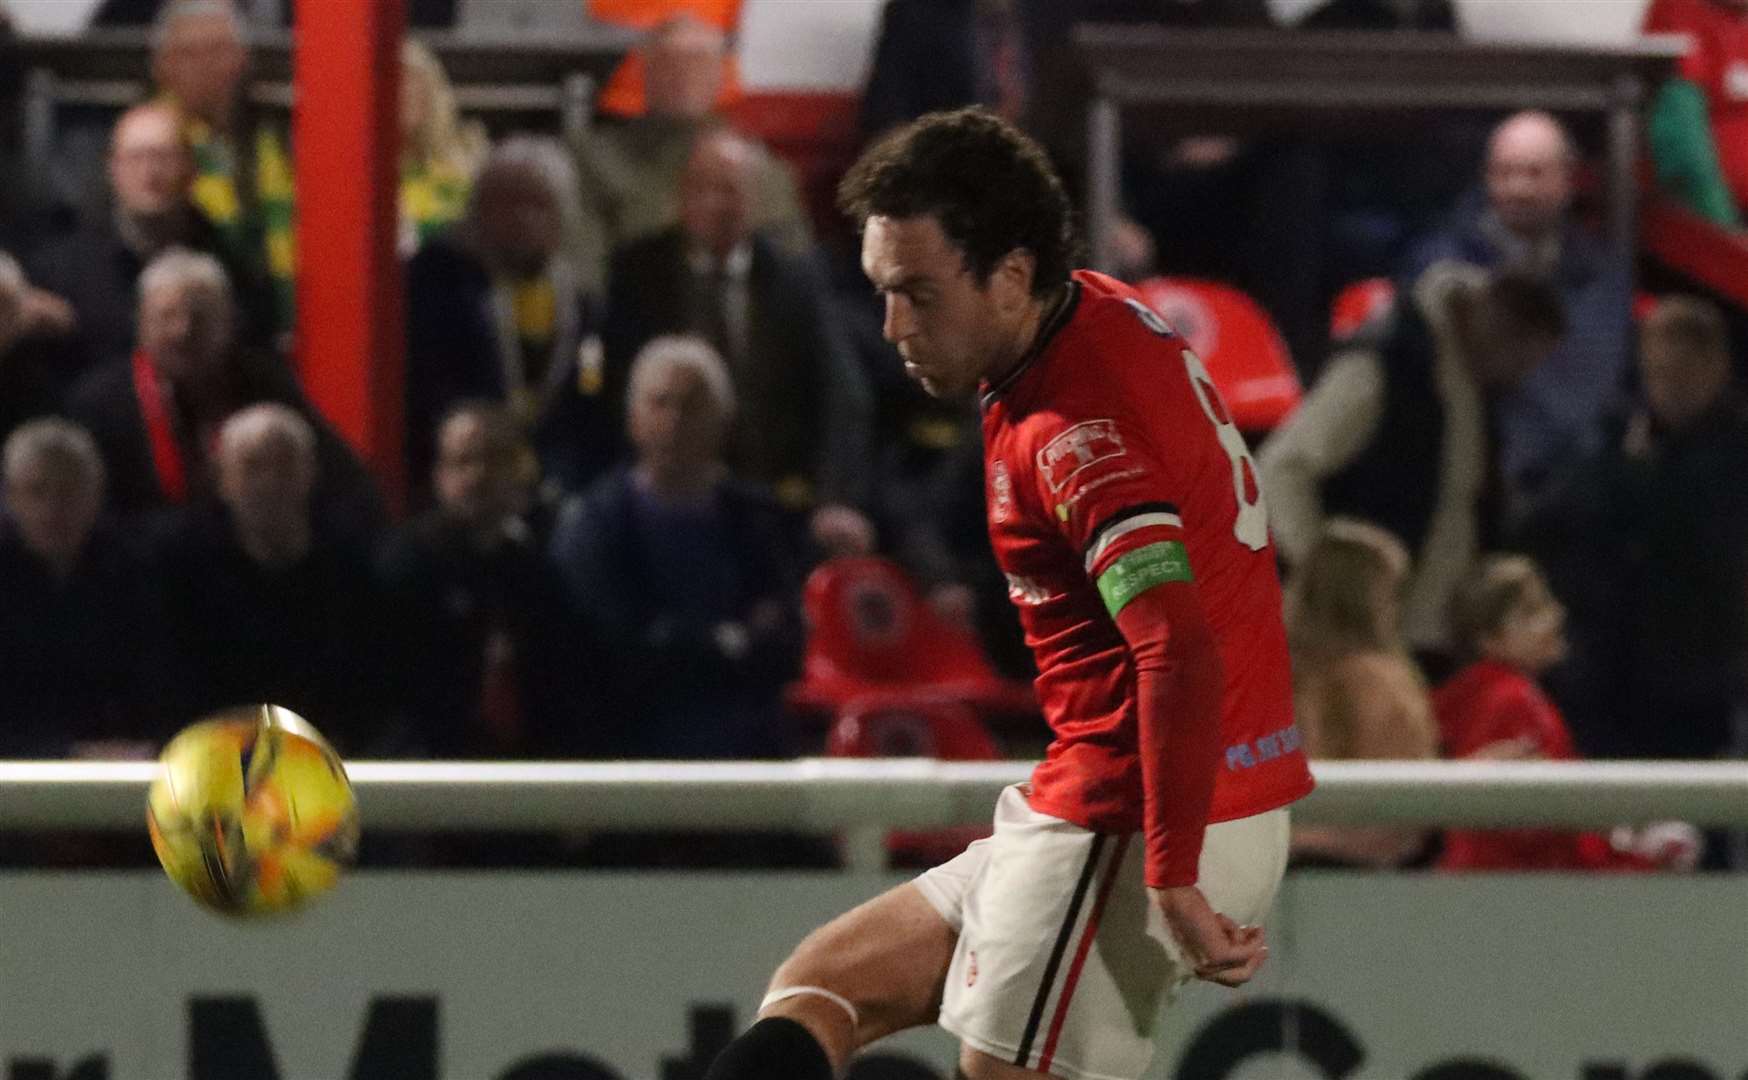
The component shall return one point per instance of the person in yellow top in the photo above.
(243, 172)
(439, 153)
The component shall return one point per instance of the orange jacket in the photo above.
(623, 94)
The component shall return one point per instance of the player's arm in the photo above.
(1333, 424)
(1151, 595)
(1150, 592)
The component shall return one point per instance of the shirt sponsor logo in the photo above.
(1264, 749)
(1077, 450)
(1001, 492)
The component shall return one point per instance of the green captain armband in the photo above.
(1142, 569)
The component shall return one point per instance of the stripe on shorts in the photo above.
(1086, 940)
(1056, 951)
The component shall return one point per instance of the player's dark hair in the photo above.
(992, 189)
(1530, 301)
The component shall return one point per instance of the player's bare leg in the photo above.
(875, 970)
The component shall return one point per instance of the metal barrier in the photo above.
(838, 793)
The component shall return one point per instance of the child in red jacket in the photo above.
(1514, 629)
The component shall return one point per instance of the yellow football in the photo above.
(251, 811)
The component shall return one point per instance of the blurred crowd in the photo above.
(647, 397)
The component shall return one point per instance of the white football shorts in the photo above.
(1063, 964)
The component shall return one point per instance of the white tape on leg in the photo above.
(839, 1000)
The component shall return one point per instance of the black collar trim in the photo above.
(1052, 326)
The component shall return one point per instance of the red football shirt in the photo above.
(1490, 702)
(1718, 64)
(1111, 462)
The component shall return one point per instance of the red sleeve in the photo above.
(1178, 684)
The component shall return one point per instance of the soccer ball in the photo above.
(251, 811)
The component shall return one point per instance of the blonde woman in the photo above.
(1357, 692)
(439, 154)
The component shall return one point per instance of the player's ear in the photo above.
(1013, 274)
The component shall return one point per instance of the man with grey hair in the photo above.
(79, 630)
(151, 178)
(1521, 218)
(266, 603)
(155, 414)
(686, 575)
(496, 309)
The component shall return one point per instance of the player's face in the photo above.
(949, 329)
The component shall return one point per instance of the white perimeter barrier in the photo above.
(833, 794)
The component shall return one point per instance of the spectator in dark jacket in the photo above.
(155, 415)
(803, 421)
(496, 309)
(1523, 220)
(1395, 431)
(265, 604)
(1648, 547)
(490, 659)
(97, 269)
(684, 573)
(80, 632)
(944, 54)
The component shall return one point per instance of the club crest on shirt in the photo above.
(1001, 492)
(1078, 449)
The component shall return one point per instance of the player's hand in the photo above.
(1218, 949)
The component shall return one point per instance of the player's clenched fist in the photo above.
(1218, 949)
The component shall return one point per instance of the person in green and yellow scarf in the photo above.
(439, 154)
(243, 178)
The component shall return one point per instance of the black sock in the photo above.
(775, 1048)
